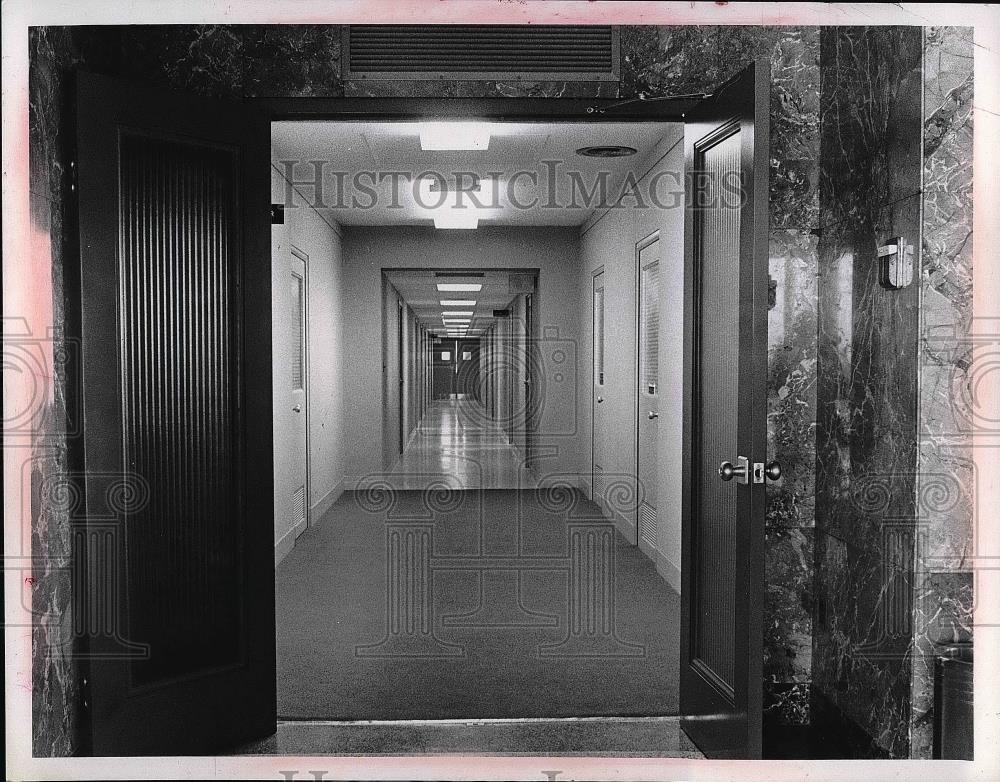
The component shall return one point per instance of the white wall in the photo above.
(609, 240)
(553, 251)
(318, 236)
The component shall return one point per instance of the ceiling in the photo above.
(418, 287)
(362, 153)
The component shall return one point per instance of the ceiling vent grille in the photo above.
(491, 52)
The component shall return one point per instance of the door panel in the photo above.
(530, 381)
(648, 388)
(299, 384)
(725, 416)
(401, 376)
(290, 383)
(467, 368)
(174, 252)
(519, 367)
(444, 368)
(599, 436)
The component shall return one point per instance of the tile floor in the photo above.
(456, 439)
(614, 737)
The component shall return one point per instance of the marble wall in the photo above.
(48, 474)
(836, 361)
(887, 488)
(946, 483)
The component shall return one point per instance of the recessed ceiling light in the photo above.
(439, 136)
(456, 312)
(457, 287)
(465, 219)
(453, 323)
(458, 302)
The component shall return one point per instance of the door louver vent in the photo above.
(649, 530)
(466, 51)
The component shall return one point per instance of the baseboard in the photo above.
(623, 523)
(671, 573)
(325, 503)
(287, 541)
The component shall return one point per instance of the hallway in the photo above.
(457, 439)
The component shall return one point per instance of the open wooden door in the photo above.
(726, 227)
(177, 596)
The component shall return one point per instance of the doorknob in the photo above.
(728, 471)
(653, 415)
(772, 471)
(297, 409)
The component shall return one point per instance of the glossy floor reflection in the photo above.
(615, 737)
(457, 442)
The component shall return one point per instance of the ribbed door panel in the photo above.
(649, 322)
(482, 51)
(718, 240)
(180, 396)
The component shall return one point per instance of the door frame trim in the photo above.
(565, 110)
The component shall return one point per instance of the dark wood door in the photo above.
(467, 368)
(444, 368)
(175, 328)
(725, 417)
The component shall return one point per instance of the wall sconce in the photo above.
(895, 264)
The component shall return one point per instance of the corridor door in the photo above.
(725, 421)
(467, 368)
(530, 382)
(647, 257)
(177, 605)
(599, 432)
(291, 495)
(444, 368)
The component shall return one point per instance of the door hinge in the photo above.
(85, 693)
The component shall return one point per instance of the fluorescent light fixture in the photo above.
(466, 219)
(441, 136)
(458, 302)
(458, 287)
(456, 324)
(456, 313)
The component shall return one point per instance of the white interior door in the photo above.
(648, 388)
(600, 430)
(291, 362)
